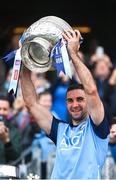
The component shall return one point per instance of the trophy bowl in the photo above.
(38, 41)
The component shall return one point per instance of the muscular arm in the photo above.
(41, 115)
(94, 104)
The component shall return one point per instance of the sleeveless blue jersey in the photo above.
(81, 151)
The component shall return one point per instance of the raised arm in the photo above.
(41, 115)
(94, 104)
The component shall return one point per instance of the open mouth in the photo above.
(76, 112)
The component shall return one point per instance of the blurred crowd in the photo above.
(22, 142)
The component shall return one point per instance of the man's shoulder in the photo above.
(102, 130)
(59, 121)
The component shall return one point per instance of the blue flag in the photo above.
(9, 58)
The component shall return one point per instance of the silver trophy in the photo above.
(39, 39)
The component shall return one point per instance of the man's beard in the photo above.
(79, 118)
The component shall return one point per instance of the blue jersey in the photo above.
(81, 150)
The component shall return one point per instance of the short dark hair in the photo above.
(5, 96)
(75, 86)
(113, 121)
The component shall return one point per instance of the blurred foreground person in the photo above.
(10, 147)
(81, 144)
(112, 144)
(109, 169)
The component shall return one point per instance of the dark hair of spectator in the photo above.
(113, 121)
(6, 97)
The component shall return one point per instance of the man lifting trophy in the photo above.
(79, 140)
(82, 142)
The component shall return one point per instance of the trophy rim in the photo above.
(29, 61)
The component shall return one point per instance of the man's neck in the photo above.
(77, 122)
